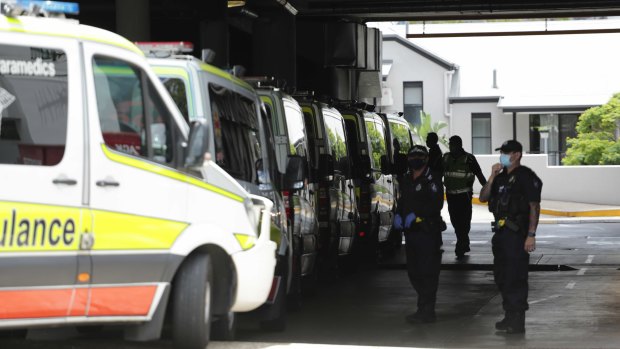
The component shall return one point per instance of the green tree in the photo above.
(595, 143)
(426, 126)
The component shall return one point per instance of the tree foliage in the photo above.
(426, 126)
(596, 143)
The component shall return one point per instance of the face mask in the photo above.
(504, 159)
(416, 164)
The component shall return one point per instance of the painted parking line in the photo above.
(570, 285)
(546, 299)
(590, 258)
(582, 271)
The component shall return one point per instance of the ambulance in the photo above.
(368, 143)
(106, 216)
(242, 143)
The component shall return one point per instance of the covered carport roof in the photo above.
(379, 10)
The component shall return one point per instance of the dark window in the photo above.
(176, 88)
(568, 128)
(33, 105)
(413, 102)
(235, 125)
(334, 126)
(132, 115)
(400, 136)
(376, 138)
(295, 130)
(548, 133)
(481, 133)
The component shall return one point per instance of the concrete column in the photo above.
(214, 33)
(274, 51)
(133, 19)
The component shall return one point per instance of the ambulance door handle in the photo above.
(65, 181)
(107, 183)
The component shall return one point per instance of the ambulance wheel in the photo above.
(224, 328)
(191, 314)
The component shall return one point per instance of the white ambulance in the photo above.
(104, 216)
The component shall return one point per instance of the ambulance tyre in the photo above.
(192, 292)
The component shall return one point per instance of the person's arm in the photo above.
(533, 188)
(475, 167)
(485, 193)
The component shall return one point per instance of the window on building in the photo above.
(33, 105)
(548, 133)
(413, 102)
(481, 133)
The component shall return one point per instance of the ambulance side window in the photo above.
(235, 125)
(132, 115)
(33, 105)
(376, 137)
(178, 92)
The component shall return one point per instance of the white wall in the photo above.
(585, 184)
(501, 124)
(410, 66)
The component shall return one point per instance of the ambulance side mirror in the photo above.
(197, 144)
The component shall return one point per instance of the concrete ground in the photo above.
(574, 302)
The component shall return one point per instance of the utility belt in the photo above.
(504, 223)
(458, 191)
(427, 224)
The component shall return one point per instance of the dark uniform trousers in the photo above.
(510, 269)
(424, 264)
(459, 208)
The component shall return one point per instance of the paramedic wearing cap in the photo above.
(459, 169)
(419, 214)
(513, 193)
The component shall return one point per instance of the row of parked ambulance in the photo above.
(158, 191)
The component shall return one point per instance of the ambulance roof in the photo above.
(66, 29)
(181, 60)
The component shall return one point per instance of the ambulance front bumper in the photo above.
(255, 266)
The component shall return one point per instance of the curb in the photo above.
(615, 214)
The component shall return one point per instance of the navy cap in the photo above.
(510, 146)
(418, 150)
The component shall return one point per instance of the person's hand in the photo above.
(398, 222)
(530, 244)
(409, 220)
(496, 169)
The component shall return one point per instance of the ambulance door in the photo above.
(41, 161)
(138, 199)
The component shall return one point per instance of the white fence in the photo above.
(586, 184)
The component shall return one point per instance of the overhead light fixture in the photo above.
(287, 5)
(236, 3)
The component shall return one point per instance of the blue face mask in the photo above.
(504, 159)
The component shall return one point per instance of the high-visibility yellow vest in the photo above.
(457, 176)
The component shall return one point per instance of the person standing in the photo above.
(434, 153)
(459, 169)
(419, 214)
(513, 193)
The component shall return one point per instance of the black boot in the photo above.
(503, 324)
(516, 323)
